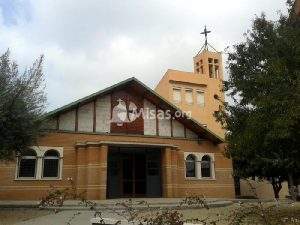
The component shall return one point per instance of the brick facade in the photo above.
(87, 166)
(84, 134)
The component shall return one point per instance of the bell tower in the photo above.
(198, 92)
(208, 62)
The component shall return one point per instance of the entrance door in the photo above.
(153, 174)
(133, 172)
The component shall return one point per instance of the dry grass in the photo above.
(211, 214)
(11, 216)
(223, 213)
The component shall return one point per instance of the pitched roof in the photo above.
(149, 94)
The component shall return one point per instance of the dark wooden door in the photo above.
(127, 178)
(133, 172)
(154, 173)
(113, 174)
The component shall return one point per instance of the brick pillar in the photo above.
(93, 172)
(80, 179)
(103, 171)
(174, 167)
(167, 184)
(180, 172)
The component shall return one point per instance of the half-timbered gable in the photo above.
(96, 114)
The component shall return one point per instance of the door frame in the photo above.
(120, 177)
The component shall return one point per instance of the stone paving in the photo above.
(61, 218)
(83, 215)
(78, 218)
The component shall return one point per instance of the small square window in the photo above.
(210, 60)
(216, 61)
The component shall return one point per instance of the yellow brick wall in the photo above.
(87, 167)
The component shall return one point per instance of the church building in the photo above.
(130, 141)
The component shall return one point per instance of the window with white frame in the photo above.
(40, 163)
(200, 98)
(51, 164)
(190, 165)
(176, 95)
(189, 96)
(199, 165)
(27, 163)
(206, 166)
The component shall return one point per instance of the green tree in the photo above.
(263, 122)
(22, 103)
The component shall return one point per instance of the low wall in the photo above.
(263, 189)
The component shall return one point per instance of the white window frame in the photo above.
(59, 166)
(173, 91)
(202, 92)
(19, 158)
(40, 152)
(199, 156)
(211, 167)
(196, 171)
(189, 90)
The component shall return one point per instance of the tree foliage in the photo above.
(263, 120)
(22, 102)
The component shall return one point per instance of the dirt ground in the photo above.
(11, 216)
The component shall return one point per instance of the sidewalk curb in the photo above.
(105, 207)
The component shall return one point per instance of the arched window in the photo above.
(27, 164)
(51, 164)
(190, 165)
(206, 166)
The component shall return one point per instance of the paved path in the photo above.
(77, 218)
(61, 218)
(83, 215)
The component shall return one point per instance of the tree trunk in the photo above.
(290, 180)
(276, 184)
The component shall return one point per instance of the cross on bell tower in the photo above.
(205, 32)
(206, 44)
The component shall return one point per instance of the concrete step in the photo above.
(113, 204)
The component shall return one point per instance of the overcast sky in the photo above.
(91, 44)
